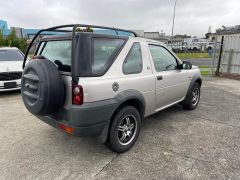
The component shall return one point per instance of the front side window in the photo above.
(133, 61)
(163, 60)
(58, 52)
(103, 52)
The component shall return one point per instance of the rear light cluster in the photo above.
(77, 94)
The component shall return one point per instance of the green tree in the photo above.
(3, 41)
(12, 38)
(13, 41)
(23, 44)
(87, 29)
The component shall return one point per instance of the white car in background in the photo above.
(11, 60)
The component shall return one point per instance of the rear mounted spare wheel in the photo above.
(42, 87)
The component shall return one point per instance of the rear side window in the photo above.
(58, 52)
(104, 50)
(133, 61)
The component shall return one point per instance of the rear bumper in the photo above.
(89, 119)
(91, 130)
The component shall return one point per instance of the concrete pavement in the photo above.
(173, 144)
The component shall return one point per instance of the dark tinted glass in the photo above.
(133, 62)
(162, 58)
(103, 50)
(58, 52)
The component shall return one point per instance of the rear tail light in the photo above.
(77, 94)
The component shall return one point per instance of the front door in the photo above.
(171, 82)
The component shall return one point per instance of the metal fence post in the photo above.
(214, 58)
(230, 60)
(220, 57)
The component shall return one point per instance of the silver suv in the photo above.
(104, 85)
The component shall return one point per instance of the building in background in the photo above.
(20, 32)
(30, 33)
(177, 42)
(140, 33)
(157, 36)
(4, 28)
(3, 24)
(224, 31)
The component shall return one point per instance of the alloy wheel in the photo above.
(127, 129)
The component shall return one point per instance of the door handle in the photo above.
(159, 77)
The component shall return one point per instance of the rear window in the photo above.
(94, 55)
(11, 55)
(104, 50)
(58, 52)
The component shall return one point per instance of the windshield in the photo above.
(10, 55)
(58, 52)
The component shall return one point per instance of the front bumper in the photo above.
(18, 82)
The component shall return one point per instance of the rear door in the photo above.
(171, 82)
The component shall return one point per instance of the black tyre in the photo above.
(195, 49)
(42, 87)
(124, 129)
(192, 98)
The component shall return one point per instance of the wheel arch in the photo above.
(199, 81)
(130, 97)
(126, 98)
(195, 79)
(131, 102)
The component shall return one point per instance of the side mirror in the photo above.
(186, 65)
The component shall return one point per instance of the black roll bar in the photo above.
(74, 26)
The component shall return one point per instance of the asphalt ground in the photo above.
(203, 62)
(173, 144)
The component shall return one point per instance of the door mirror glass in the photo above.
(186, 65)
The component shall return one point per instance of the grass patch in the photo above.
(192, 55)
(202, 67)
(204, 73)
(205, 70)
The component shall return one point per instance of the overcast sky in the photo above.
(193, 17)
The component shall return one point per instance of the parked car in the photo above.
(11, 60)
(89, 84)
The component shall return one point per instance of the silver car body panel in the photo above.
(157, 94)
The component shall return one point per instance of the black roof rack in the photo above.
(74, 27)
